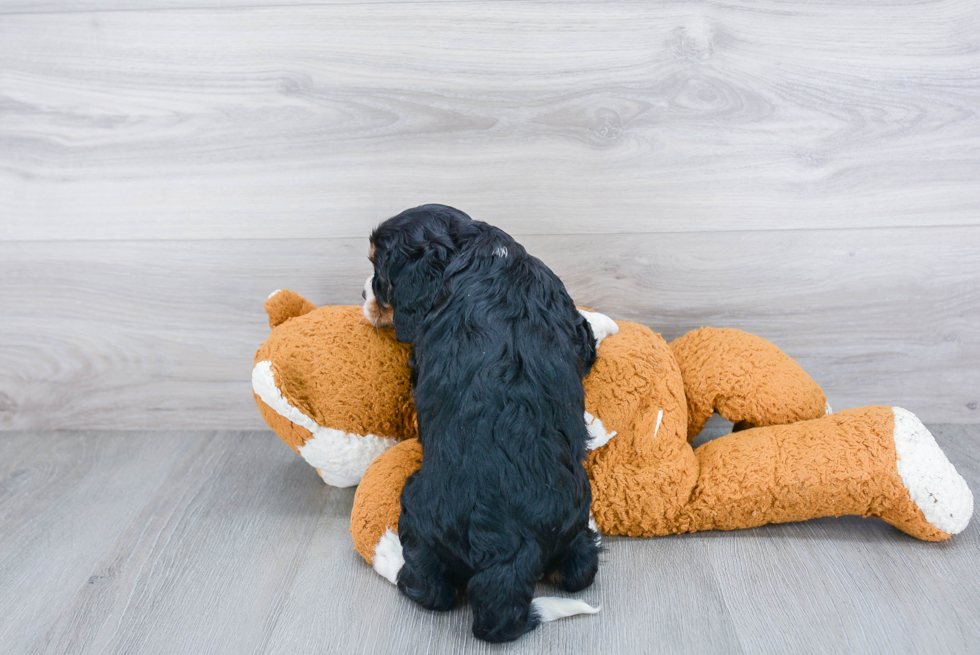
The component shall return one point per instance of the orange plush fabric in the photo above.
(796, 464)
(339, 371)
(841, 464)
(383, 481)
(645, 472)
(744, 378)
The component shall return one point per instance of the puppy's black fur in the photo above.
(502, 498)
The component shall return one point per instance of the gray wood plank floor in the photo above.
(226, 542)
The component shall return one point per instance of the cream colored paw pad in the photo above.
(932, 481)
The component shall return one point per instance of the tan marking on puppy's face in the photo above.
(378, 316)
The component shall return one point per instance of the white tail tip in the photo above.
(551, 608)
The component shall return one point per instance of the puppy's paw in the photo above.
(598, 436)
(602, 326)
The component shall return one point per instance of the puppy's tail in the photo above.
(552, 608)
(506, 621)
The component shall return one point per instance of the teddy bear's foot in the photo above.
(388, 558)
(602, 326)
(936, 489)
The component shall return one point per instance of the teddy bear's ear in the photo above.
(283, 305)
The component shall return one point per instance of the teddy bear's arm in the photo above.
(745, 378)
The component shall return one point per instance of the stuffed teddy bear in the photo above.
(337, 391)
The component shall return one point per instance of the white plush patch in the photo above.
(932, 481)
(388, 559)
(342, 457)
(828, 410)
(500, 251)
(274, 293)
(550, 608)
(597, 432)
(602, 326)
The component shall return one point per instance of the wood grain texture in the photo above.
(226, 508)
(161, 334)
(71, 6)
(164, 166)
(844, 580)
(227, 542)
(63, 501)
(317, 120)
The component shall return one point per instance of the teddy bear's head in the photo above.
(333, 387)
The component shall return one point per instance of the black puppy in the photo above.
(502, 498)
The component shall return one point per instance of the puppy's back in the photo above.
(502, 495)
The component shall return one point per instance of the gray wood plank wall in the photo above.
(806, 171)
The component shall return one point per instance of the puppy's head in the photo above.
(410, 253)
(377, 313)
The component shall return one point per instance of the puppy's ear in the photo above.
(585, 344)
(418, 288)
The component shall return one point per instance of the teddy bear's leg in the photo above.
(377, 507)
(873, 461)
(745, 378)
(645, 474)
